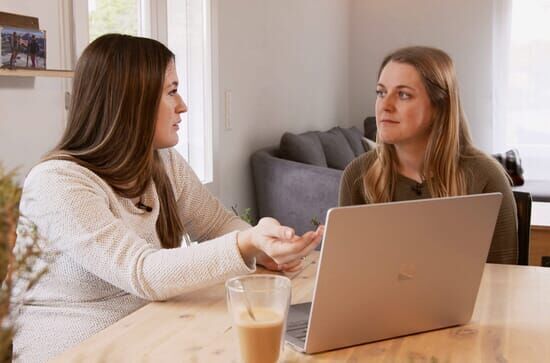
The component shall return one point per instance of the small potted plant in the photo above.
(13, 263)
(245, 216)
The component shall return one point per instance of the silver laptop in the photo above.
(393, 269)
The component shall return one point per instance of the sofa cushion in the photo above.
(354, 136)
(304, 148)
(338, 152)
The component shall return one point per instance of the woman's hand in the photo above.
(268, 263)
(277, 247)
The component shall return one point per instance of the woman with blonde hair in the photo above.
(424, 148)
(114, 199)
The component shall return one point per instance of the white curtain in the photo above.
(521, 82)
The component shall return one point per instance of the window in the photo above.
(184, 25)
(521, 78)
(114, 16)
(189, 38)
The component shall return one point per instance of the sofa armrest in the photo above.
(293, 192)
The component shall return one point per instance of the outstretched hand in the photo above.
(277, 247)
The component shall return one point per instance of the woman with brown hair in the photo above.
(424, 148)
(113, 201)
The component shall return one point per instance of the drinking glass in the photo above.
(258, 305)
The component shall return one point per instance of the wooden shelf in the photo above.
(23, 72)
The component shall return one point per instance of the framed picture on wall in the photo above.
(22, 48)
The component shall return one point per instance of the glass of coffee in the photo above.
(258, 305)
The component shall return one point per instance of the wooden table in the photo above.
(511, 323)
(540, 232)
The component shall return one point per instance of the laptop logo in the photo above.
(407, 271)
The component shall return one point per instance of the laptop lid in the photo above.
(393, 269)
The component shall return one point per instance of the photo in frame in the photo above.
(22, 48)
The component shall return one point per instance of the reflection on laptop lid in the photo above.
(393, 269)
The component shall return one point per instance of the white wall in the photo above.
(291, 65)
(286, 65)
(32, 109)
(463, 28)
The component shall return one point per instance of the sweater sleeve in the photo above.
(203, 215)
(71, 211)
(504, 246)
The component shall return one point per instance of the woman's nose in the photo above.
(387, 103)
(181, 107)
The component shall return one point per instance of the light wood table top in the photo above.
(511, 323)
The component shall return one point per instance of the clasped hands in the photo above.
(277, 247)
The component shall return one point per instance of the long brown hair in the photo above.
(116, 93)
(449, 139)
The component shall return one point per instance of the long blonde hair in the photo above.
(449, 139)
(116, 94)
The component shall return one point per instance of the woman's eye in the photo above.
(379, 93)
(173, 92)
(404, 95)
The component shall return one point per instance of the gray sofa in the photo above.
(299, 180)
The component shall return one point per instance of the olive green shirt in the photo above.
(483, 175)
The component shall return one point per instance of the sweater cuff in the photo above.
(233, 247)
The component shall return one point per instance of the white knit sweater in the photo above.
(109, 260)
